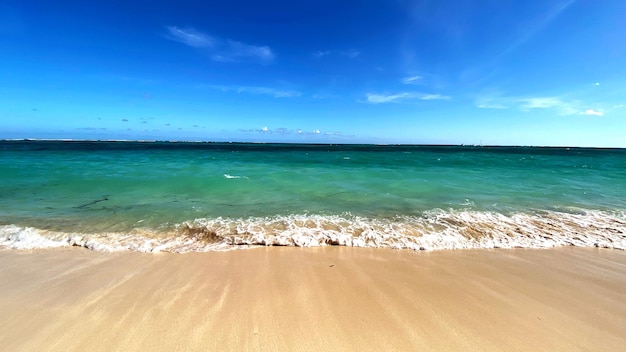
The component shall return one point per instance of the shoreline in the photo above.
(436, 229)
(322, 298)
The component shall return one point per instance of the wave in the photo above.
(433, 230)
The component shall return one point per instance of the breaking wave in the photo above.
(433, 230)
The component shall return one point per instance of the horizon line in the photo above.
(295, 143)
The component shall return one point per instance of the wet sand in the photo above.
(314, 299)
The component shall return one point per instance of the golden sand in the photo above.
(314, 299)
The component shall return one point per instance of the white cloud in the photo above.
(540, 103)
(219, 49)
(557, 104)
(563, 107)
(276, 93)
(412, 79)
(434, 97)
(404, 96)
(592, 112)
(596, 84)
(382, 98)
(191, 37)
(291, 132)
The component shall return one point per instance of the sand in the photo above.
(314, 299)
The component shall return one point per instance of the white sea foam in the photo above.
(233, 176)
(15, 237)
(434, 230)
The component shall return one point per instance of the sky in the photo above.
(486, 72)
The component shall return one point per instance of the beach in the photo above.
(312, 299)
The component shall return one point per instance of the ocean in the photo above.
(183, 196)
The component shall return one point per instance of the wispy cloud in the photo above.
(412, 80)
(190, 37)
(559, 105)
(563, 107)
(234, 51)
(387, 98)
(374, 98)
(273, 92)
(490, 103)
(528, 29)
(540, 103)
(592, 112)
(222, 50)
(324, 95)
(434, 97)
(538, 25)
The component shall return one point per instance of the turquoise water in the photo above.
(218, 195)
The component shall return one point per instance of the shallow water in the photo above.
(202, 196)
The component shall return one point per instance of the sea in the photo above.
(198, 197)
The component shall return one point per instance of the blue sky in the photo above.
(550, 72)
